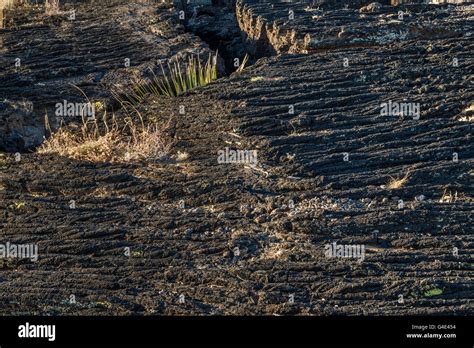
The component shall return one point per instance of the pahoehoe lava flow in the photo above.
(236, 157)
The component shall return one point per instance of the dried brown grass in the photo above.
(108, 142)
(396, 183)
(51, 7)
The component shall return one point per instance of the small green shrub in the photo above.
(433, 292)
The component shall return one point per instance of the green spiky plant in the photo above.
(177, 79)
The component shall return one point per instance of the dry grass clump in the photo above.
(453, 197)
(51, 7)
(147, 144)
(3, 160)
(103, 148)
(182, 156)
(468, 114)
(449, 197)
(396, 183)
(276, 251)
(242, 66)
(10, 4)
(6, 3)
(108, 142)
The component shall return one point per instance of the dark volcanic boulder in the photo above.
(20, 129)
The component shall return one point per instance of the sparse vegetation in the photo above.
(243, 64)
(182, 156)
(469, 108)
(6, 3)
(137, 253)
(449, 197)
(3, 160)
(177, 79)
(17, 205)
(51, 7)
(257, 79)
(109, 142)
(396, 183)
(102, 304)
(321, 204)
(433, 292)
(455, 196)
(468, 114)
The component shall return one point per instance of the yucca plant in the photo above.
(177, 79)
